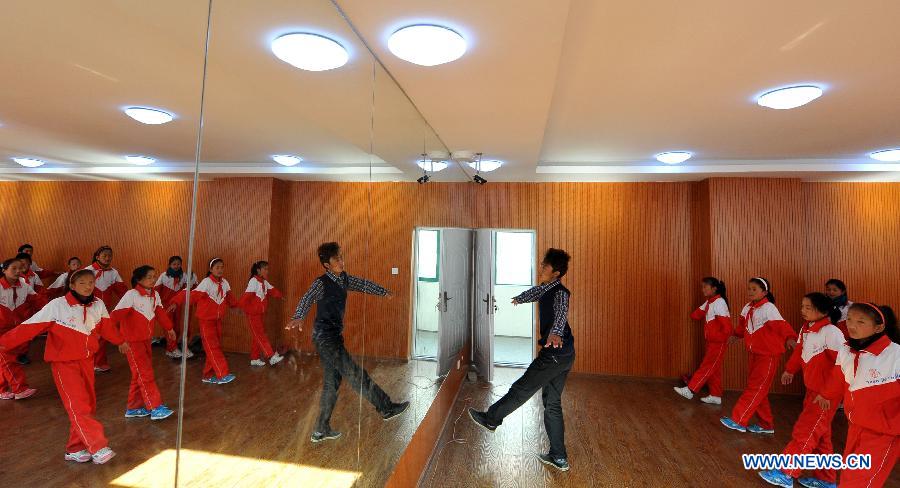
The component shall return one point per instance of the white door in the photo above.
(485, 304)
(453, 298)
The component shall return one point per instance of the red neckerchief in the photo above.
(219, 283)
(711, 300)
(72, 301)
(15, 288)
(146, 292)
(753, 308)
(817, 325)
(98, 270)
(874, 348)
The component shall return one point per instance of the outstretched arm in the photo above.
(313, 295)
(362, 285)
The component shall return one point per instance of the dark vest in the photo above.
(545, 314)
(330, 309)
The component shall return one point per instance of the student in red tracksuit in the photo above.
(136, 314)
(17, 302)
(817, 348)
(836, 290)
(213, 298)
(28, 274)
(717, 329)
(765, 333)
(254, 302)
(74, 324)
(59, 287)
(168, 285)
(43, 273)
(867, 374)
(108, 288)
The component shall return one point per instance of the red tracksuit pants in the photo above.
(176, 319)
(100, 359)
(143, 391)
(75, 383)
(755, 398)
(812, 435)
(883, 448)
(259, 343)
(12, 374)
(211, 334)
(710, 371)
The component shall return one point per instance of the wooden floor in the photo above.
(619, 433)
(252, 432)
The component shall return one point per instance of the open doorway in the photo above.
(514, 272)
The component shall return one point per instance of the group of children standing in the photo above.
(847, 352)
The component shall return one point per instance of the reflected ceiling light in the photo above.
(140, 160)
(433, 166)
(889, 155)
(789, 97)
(29, 162)
(150, 116)
(427, 45)
(310, 52)
(486, 165)
(287, 159)
(673, 157)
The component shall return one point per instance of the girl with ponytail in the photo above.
(108, 285)
(717, 329)
(836, 290)
(168, 285)
(254, 303)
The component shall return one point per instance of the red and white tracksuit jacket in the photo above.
(213, 297)
(869, 381)
(58, 287)
(108, 285)
(167, 287)
(136, 313)
(254, 303)
(17, 303)
(43, 273)
(764, 332)
(73, 334)
(717, 329)
(817, 347)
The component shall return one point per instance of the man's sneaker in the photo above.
(174, 354)
(712, 400)
(777, 478)
(257, 362)
(731, 424)
(211, 380)
(79, 457)
(395, 410)
(758, 429)
(103, 455)
(275, 359)
(684, 391)
(228, 378)
(25, 393)
(161, 412)
(815, 483)
(324, 436)
(480, 418)
(136, 412)
(561, 464)
(23, 359)
(102, 369)
(7, 395)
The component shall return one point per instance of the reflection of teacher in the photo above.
(329, 291)
(550, 369)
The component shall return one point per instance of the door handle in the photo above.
(445, 298)
(494, 300)
(487, 302)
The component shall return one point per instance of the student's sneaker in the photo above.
(211, 380)
(731, 424)
(480, 418)
(324, 436)
(228, 378)
(758, 429)
(561, 463)
(816, 483)
(174, 354)
(158, 341)
(23, 359)
(275, 359)
(712, 400)
(28, 392)
(7, 395)
(257, 362)
(103, 455)
(132, 413)
(102, 369)
(161, 412)
(79, 457)
(187, 353)
(395, 410)
(777, 478)
(684, 391)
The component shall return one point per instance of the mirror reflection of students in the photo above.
(329, 292)
(548, 372)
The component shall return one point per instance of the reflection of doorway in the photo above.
(427, 276)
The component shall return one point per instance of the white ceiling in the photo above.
(560, 90)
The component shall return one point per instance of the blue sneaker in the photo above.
(777, 478)
(136, 412)
(160, 413)
(228, 378)
(211, 380)
(757, 429)
(816, 483)
(731, 424)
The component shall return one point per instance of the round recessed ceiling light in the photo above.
(673, 157)
(140, 160)
(287, 159)
(887, 155)
(433, 166)
(150, 116)
(486, 165)
(310, 52)
(427, 45)
(29, 162)
(789, 97)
